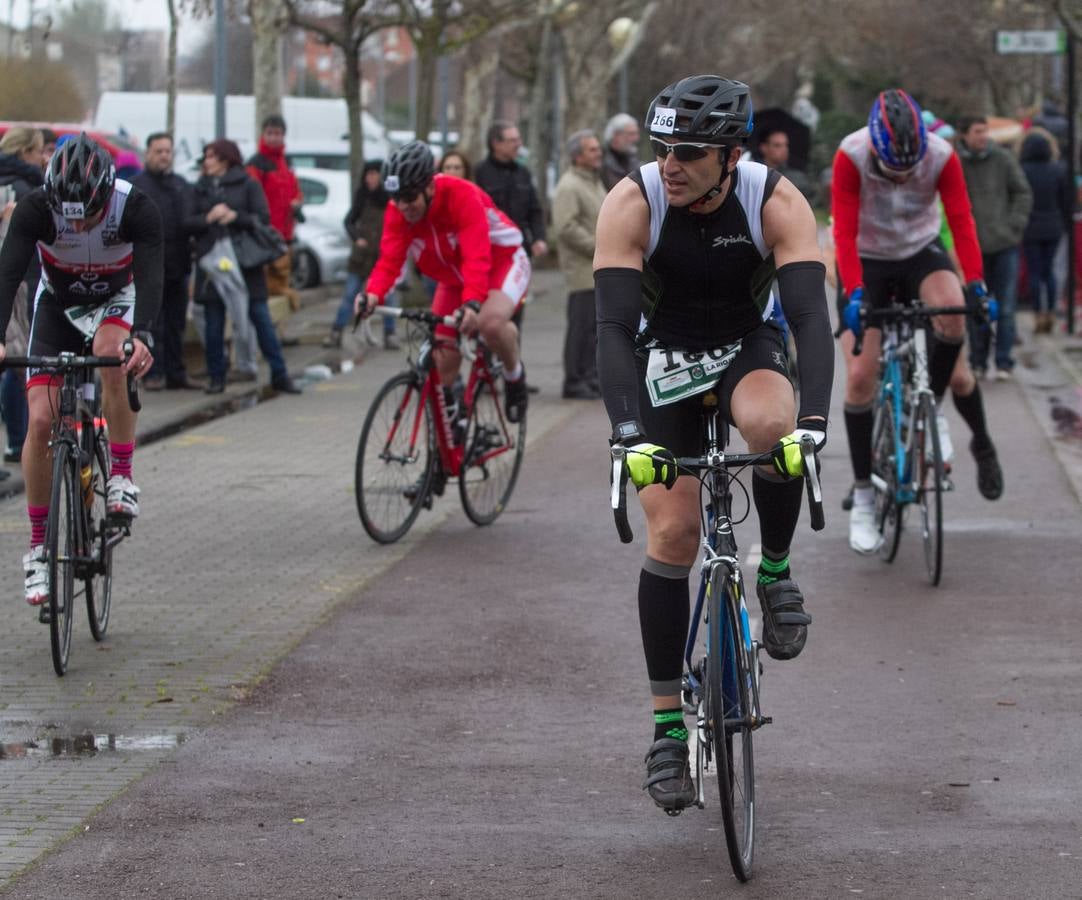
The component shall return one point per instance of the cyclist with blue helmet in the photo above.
(888, 178)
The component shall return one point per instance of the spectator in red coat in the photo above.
(270, 168)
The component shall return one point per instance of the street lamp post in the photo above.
(220, 62)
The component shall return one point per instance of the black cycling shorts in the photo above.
(889, 279)
(679, 426)
(52, 331)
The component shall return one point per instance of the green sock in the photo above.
(669, 723)
(771, 570)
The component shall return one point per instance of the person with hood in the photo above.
(22, 155)
(364, 225)
(1001, 201)
(1050, 216)
(226, 201)
(270, 168)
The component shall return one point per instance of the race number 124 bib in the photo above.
(672, 375)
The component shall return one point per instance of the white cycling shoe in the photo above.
(946, 448)
(864, 536)
(36, 567)
(122, 497)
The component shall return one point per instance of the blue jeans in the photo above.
(1001, 276)
(259, 315)
(354, 285)
(13, 401)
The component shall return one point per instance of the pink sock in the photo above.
(122, 454)
(38, 517)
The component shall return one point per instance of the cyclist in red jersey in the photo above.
(456, 235)
(887, 177)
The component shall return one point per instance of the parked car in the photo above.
(322, 246)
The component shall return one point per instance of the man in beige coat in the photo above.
(575, 207)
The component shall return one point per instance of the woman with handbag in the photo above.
(228, 202)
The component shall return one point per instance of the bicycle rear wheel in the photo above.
(492, 456)
(927, 466)
(394, 459)
(888, 511)
(98, 577)
(62, 546)
(728, 716)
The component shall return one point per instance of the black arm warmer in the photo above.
(619, 306)
(30, 223)
(803, 299)
(141, 224)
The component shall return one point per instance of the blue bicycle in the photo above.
(721, 686)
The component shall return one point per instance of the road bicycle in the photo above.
(907, 461)
(721, 680)
(415, 438)
(80, 533)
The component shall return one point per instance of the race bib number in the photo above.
(72, 210)
(672, 375)
(664, 121)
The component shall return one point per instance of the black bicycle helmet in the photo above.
(705, 108)
(80, 179)
(409, 168)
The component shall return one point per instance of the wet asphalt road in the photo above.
(472, 724)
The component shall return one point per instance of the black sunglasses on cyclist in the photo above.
(405, 196)
(684, 151)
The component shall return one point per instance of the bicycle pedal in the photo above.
(44, 616)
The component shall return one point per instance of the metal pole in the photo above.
(623, 87)
(220, 62)
(1072, 154)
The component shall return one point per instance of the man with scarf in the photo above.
(284, 198)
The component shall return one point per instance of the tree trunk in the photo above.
(427, 48)
(478, 100)
(268, 24)
(352, 84)
(538, 138)
(171, 70)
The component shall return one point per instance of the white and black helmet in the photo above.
(705, 108)
(408, 169)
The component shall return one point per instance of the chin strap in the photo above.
(713, 192)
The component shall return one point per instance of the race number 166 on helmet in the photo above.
(80, 179)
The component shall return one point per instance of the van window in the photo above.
(315, 192)
(336, 161)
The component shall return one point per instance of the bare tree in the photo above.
(438, 28)
(171, 68)
(346, 26)
(269, 22)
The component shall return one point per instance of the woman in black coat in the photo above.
(226, 198)
(1050, 216)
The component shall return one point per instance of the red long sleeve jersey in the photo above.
(456, 243)
(877, 218)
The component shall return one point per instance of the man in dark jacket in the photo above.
(510, 186)
(1048, 220)
(174, 199)
(1001, 201)
(284, 198)
(621, 144)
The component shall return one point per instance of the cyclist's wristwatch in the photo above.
(629, 432)
(145, 336)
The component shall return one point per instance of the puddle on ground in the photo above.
(1066, 412)
(83, 745)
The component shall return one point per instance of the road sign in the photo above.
(1053, 42)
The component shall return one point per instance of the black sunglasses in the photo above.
(405, 196)
(684, 151)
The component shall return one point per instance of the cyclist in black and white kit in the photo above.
(687, 249)
(100, 244)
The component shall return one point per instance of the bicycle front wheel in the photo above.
(98, 577)
(927, 466)
(61, 547)
(888, 511)
(492, 456)
(729, 710)
(394, 459)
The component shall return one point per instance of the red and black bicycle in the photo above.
(417, 436)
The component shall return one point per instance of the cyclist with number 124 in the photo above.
(688, 247)
(100, 244)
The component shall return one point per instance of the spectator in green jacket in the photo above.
(1001, 199)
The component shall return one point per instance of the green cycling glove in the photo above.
(650, 464)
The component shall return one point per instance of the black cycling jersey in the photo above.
(706, 278)
(91, 268)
